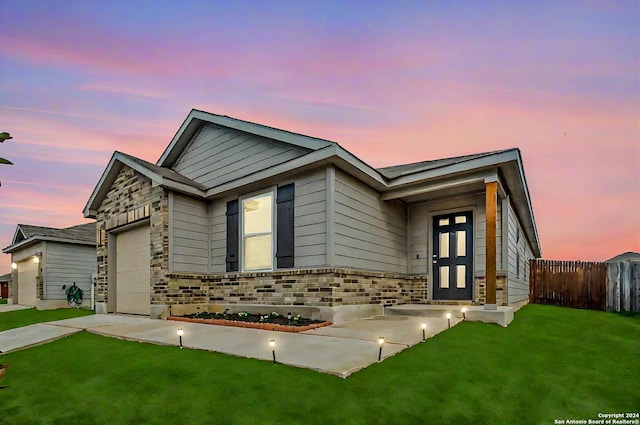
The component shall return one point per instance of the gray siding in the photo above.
(65, 264)
(420, 231)
(369, 233)
(518, 282)
(218, 155)
(310, 205)
(310, 220)
(189, 218)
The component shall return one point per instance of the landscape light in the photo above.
(449, 319)
(289, 317)
(180, 333)
(272, 344)
(380, 343)
(464, 314)
(424, 327)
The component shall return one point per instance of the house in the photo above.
(5, 281)
(625, 256)
(46, 261)
(238, 214)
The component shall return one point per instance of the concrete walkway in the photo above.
(339, 349)
(12, 307)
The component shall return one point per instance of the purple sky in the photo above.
(393, 82)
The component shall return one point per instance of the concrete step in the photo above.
(474, 313)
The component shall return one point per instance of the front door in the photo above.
(453, 256)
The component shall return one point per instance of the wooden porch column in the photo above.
(491, 204)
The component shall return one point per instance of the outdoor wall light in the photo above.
(272, 344)
(14, 266)
(464, 314)
(380, 343)
(449, 319)
(180, 333)
(36, 259)
(424, 328)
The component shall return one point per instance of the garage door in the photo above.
(133, 276)
(27, 273)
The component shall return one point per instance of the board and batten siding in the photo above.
(310, 205)
(218, 155)
(421, 231)
(369, 233)
(66, 263)
(189, 244)
(518, 281)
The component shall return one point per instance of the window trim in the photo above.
(267, 191)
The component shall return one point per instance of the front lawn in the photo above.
(550, 363)
(19, 318)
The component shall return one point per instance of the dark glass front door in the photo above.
(453, 256)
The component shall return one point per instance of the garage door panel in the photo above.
(133, 274)
(27, 274)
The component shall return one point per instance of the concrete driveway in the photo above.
(338, 349)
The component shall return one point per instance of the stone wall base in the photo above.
(325, 287)
(480, 295)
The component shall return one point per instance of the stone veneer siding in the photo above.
(132, 199)
(309, 287)
(480, 286)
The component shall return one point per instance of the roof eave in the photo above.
(39, 238)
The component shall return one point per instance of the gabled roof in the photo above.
(5, 277)
(403, 182)
(415, 167)
(626, 256)
(160, 176)
(196, 118)
(26, 234)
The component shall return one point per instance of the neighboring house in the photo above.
(240, 213)
(626, 256)
(47, 260)
(5, 281)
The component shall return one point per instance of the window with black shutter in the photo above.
(232, 236)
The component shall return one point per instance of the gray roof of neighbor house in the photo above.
(26, 234)
(5, 277)
(625, 256)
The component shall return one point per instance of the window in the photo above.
(257, 232)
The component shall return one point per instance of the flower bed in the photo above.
(271, 322)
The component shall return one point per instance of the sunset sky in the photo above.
(392, 82)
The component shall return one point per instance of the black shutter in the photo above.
(284, 223)
(232, 236)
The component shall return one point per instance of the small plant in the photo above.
(243, 314)
(273, 315)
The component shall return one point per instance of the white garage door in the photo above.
(27, 273)
(133, 288)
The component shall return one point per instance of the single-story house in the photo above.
(47, 260)
(238, 213)
(625, 256)
(5, 281)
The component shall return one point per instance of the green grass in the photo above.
(19, 318)
(3, 301)
(550, 363)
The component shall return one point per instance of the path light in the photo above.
(464, 314)
(180, 333)
(449, 319)
(380, 343)
(272, 344)
(424, 328)
(289, 317)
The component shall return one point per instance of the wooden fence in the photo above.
(576, 284)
